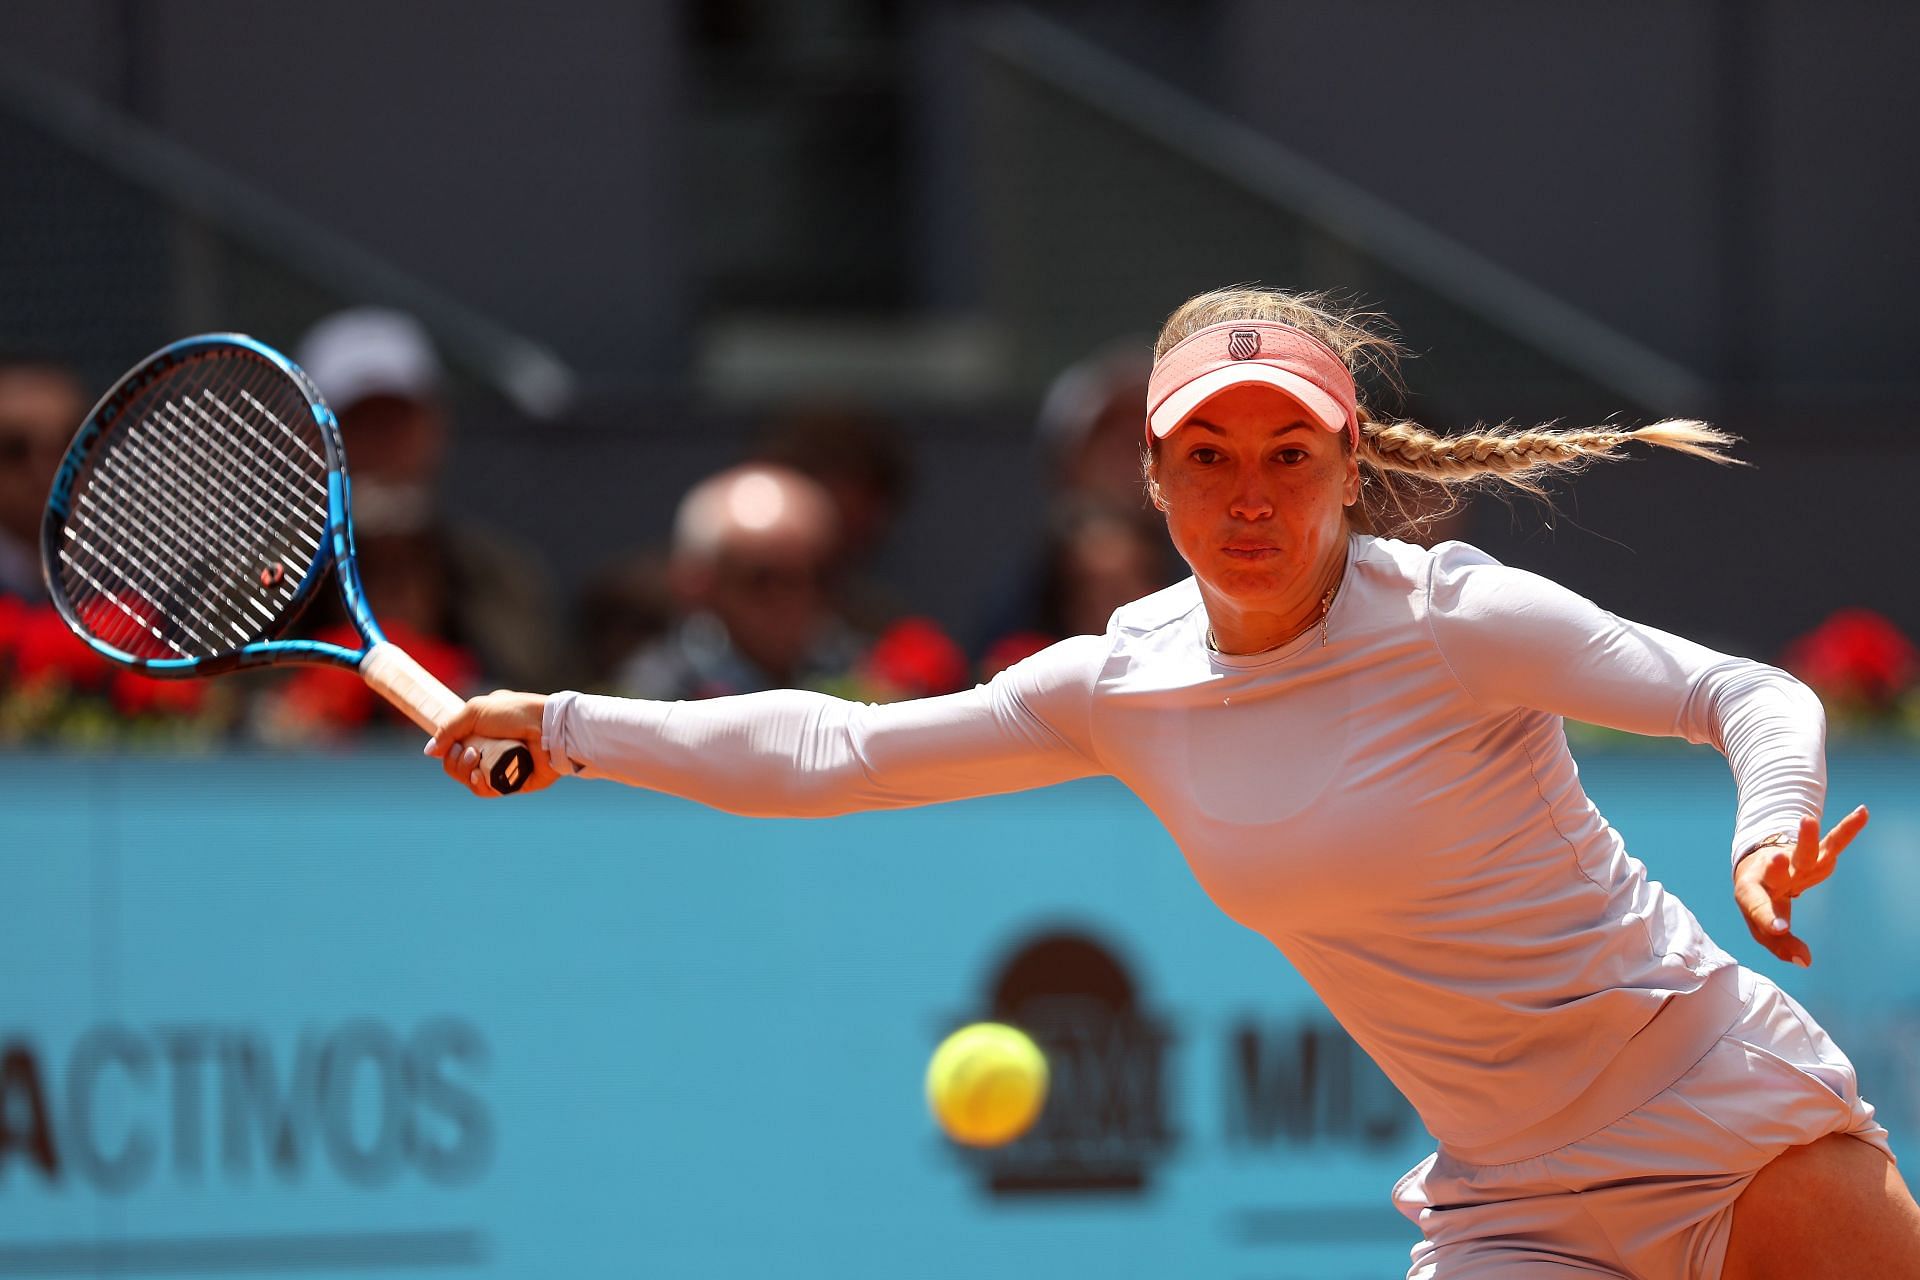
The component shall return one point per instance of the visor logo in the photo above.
(1243, 344)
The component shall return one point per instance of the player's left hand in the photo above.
(1768, 879)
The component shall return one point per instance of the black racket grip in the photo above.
(507, 765)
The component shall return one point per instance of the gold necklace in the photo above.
(1326, 607)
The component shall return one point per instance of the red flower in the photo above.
(1009, 649)
(13, 616)
(135, 695)
(45, 649)
(337, 699)
(125, 622)
(915, 657)
(1855, 656)
(328, 698)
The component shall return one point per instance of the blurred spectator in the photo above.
(1090, 433)
(861, 463)
(1092, 424)
(623, 607)
(751, 564)
(459, 584)
(473, 608)
(1098, 558)
(41, 404)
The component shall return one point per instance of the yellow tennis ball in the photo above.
(986, 1084)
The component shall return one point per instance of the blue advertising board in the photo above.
(329, 1015)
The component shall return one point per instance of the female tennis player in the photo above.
(1357, 744)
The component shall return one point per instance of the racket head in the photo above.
(197, 511)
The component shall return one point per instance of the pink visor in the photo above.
(1236, 352)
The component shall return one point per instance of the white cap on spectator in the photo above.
(370, 351)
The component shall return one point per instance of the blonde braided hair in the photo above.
(1412, 477)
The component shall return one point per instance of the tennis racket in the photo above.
(197, 512)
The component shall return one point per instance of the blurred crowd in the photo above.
(766, 581)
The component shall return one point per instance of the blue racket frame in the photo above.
(335, 551)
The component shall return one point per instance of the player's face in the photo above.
(1255, 494)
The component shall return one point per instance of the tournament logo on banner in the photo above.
(1106, 1121)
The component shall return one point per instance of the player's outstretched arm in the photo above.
(793, 753)
(501, 714)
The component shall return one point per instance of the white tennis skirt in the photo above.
(1650, 1196)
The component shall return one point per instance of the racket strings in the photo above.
(216, 473)
(139, 506)
(117, 508)
(178, 578)
(102, 517)
(131, 472)
(193, 529)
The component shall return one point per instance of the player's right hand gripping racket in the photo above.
(196, 513)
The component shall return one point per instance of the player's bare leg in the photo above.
(1836, 1209)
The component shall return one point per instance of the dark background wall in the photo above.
(521, 159)
(1731, 185)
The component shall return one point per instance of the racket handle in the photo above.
(395, 676)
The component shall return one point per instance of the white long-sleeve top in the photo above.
(1396, 809)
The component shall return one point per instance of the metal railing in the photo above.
(114, 239)
(1105, 193)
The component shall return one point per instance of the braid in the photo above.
(1412, 477)
(1519, 456)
